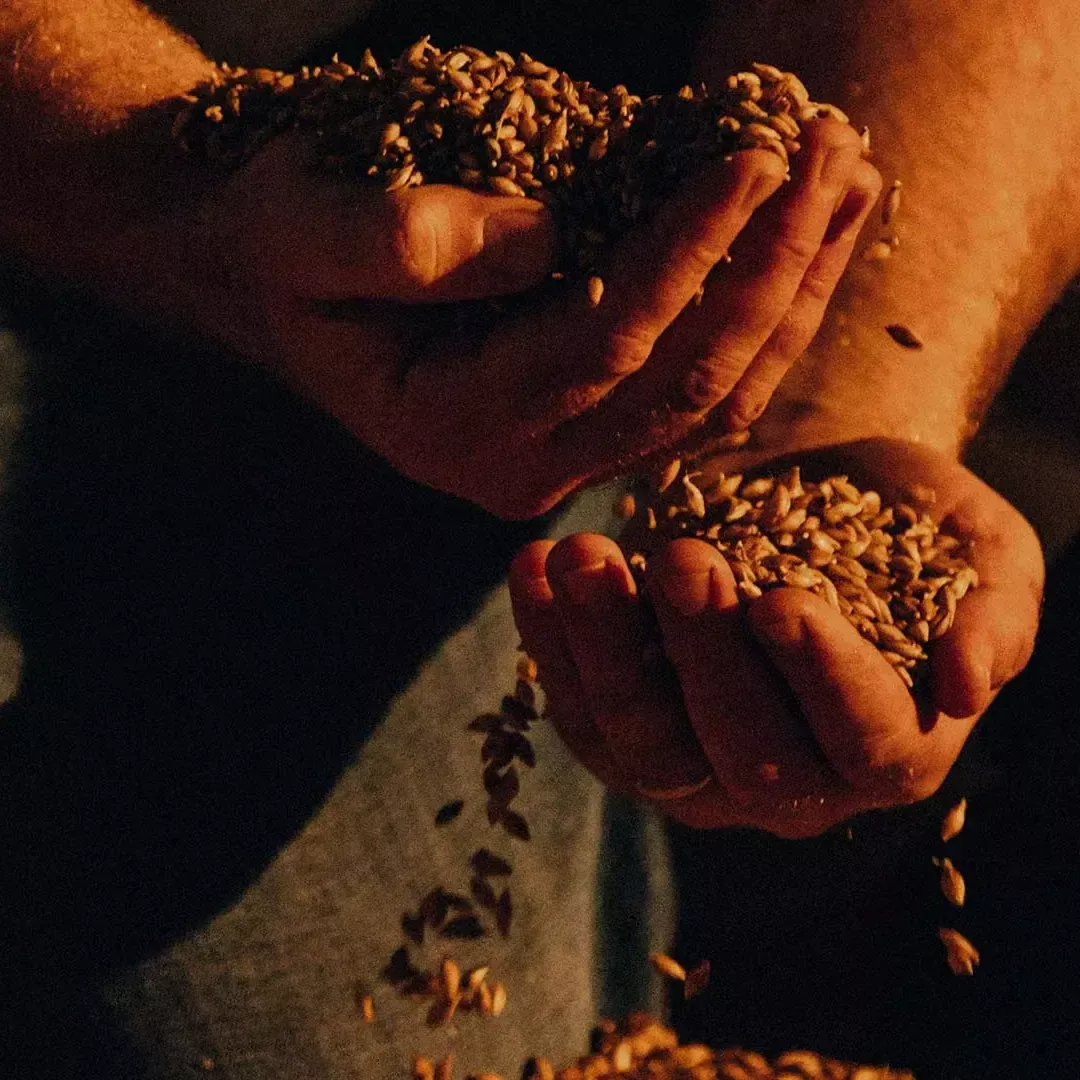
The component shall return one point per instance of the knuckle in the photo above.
(818, 287)
(745, 406)
(711, 379)
(868, 181)
(625, 350)
(796, 248)
(697, 260)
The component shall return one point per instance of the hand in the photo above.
(329, 281)
(778, 715)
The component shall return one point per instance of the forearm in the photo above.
(71, 68)
(978, 113)
(79, 172)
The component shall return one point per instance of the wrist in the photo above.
(856, 382)
(120, 214)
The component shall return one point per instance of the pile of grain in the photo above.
(501, 123)
(888, 569)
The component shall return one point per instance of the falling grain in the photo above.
(954, 821)
(449, 811)
(962, 957)
(595, 288)
(697, 979)
(953, 887)
(891, 206)
(667, 967)
(904, 336)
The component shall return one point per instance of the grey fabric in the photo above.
(237, 926)
(267, 989)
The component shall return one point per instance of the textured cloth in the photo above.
(251, 654)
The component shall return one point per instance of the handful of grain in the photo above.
(888, 569)
(500, 123)
(644, 1049)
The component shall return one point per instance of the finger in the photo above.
(655, 272)
(993, 633)
(700, 358)
(797, 328)
(769, 262)
(745, 719)
(638, 712)
(433, 244)
(337, 241)
(861, 714)
(541, 633)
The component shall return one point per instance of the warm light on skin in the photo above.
(983, 247)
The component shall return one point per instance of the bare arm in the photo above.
(976, 108)
(71, 69)
(978, 114)
(88, 196)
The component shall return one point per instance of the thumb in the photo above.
(438, 243)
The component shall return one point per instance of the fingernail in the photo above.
(596, 584)
(786, 633)
(522, 242)
(689, 594)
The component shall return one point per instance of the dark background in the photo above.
(163, 515)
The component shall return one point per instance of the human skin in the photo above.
(310, 277)
(984, 249)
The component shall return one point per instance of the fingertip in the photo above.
(780, 619)
(828, 133)
(989, 644)
(581, 550)
(687, 554)
(756, 174)
(589, 569)
(528, 574)
(741, 181)
(855, 204)
(867, 180)
(690, 577)
(960, 684)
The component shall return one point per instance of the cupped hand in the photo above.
(775, 713)
(336, 286)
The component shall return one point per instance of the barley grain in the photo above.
(891, 206)
(954, 821)
(953, 887)
(962, 957)
(595, 287)
(664, 964)
(904, 336)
